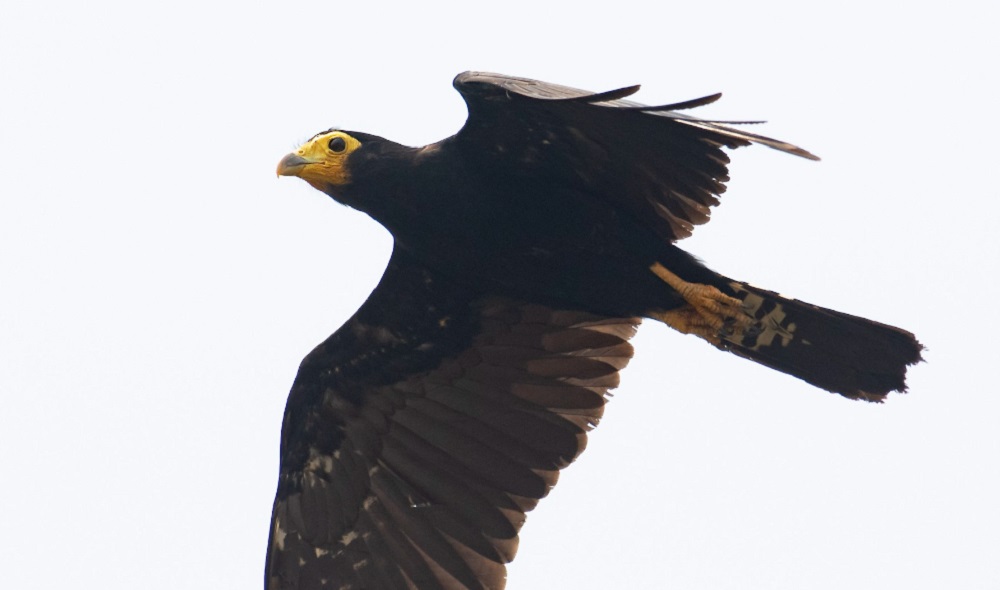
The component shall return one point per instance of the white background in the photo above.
(158, 284)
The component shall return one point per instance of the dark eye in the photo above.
(337, 144)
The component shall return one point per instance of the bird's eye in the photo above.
(337, 144)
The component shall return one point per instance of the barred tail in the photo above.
(841, 353)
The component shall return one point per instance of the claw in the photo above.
(709, 313)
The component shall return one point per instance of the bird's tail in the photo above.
(841, 353)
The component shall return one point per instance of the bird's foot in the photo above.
(709, 313)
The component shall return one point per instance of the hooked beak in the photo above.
(292, 165)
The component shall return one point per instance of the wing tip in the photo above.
(747, 138)
(797, 151)
(684, 104)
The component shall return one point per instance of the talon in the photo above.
(709, 313)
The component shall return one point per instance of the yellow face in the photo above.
(322, 160)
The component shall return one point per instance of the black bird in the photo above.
(527, 248)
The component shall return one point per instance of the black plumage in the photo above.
(527, 248)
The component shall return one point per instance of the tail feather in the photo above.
(841, 353)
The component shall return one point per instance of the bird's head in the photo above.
(323, 161)
(357, 169)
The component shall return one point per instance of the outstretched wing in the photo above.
(665, 167)
(417, 436)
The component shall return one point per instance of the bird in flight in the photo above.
(527, 249)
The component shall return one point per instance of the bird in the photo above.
(527, 249)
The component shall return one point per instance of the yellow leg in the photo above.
(709, 313)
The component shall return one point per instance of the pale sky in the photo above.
(159, 285)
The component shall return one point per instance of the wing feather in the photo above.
(665, 167)
(417, 436)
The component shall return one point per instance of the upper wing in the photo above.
(664, 167)
(417, 436)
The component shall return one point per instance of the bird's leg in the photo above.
(709, 313)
